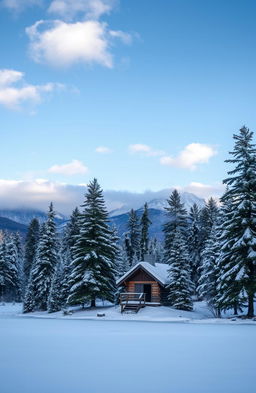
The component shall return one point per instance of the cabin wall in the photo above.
(155, 289)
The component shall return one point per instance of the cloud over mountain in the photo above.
(39, 193)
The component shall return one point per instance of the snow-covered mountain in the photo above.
(24, 216)
(119, 218)
(160, 203)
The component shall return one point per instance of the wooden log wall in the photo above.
(155, 289)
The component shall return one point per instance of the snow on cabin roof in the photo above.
(159, 271)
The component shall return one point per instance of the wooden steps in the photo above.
(132, 302)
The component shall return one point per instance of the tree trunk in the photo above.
(93, 303)
(250, 313)
(235, 309)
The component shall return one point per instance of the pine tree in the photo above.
(156, 249)
(46, 261)
(70, 235)
(144, 237)
(30, 248)
(55, 301)
(208, 218)
(180, 284)
(5, 277)
(93, 267)
(9, 269)
(238, 250)
(20, 262)
(177, 221)
(123, 263)
(229, 295)
(12, 261)
(195, 242)
(29, 304)
(132, 239)
(209, 272)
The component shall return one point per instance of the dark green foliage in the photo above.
(180, 286)
(132, 239)
(144, 237)
(29, 298)
(93, 267)
(209, 272)
(55, 300)
(177, 221)
(10, 279)
(195, 242)
(30, 248)
(70, 235)
(45, 262)
(238, 240)
(208, 218)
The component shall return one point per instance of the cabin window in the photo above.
(139, 288)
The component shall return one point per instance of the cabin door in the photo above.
(147, 291)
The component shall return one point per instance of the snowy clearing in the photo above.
(201, 314)
(73, 356)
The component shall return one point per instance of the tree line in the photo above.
(211, 251)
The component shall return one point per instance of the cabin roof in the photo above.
(159, 271)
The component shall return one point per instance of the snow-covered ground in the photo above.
(200, 314)
(87, 356)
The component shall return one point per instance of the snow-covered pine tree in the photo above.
(30, 249)
(208, 218)
(45, 262)
(177, 221)
(12, 262)
(29, 304)
(238, 251)
(209, 272)
(156, 249)
(55, 301)
(195, 242)
(93, 267)
(115, 241)
(20, 255)
(180, 285)
(70, 235)
(123, 262)
(5, 277)
(132, 238)
(229, 293)
(144, 236)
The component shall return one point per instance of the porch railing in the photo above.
(132, 301)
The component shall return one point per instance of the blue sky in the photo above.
(161, 85)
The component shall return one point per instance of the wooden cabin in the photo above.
(149, 279)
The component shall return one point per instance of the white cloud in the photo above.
(103, 150)
(8, 77)
(204, 190)
(63, 44)
(145, 149)
(74, 167)
(68, 9)
(15, 92)
(190, 157)
(36, 194)
(20, 5)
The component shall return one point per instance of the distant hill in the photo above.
(157, 217)
(157, 214)
(24, 216)
(12, 226)
(19, 219)
(160, 203)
